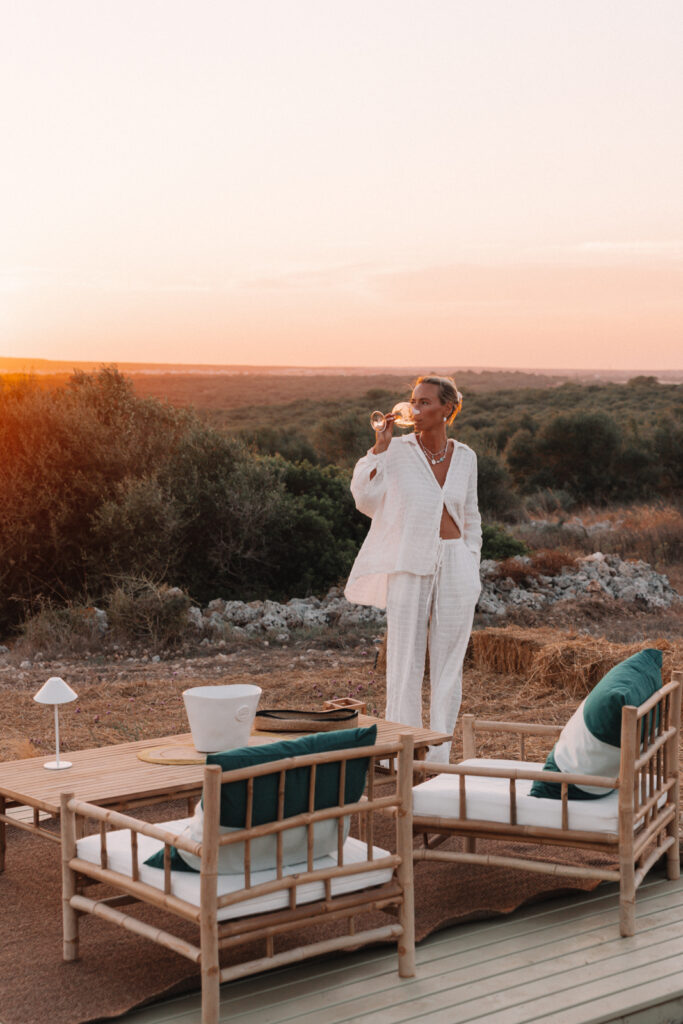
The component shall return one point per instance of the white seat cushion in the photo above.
(185, 884)
(263, 850)
(489, 800)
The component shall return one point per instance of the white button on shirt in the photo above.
(405, 502)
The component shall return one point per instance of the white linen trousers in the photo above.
(440, 605)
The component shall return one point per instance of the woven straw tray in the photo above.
(291, 720)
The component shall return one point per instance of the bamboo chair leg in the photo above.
(673, 854)
(208, 922)
(3, 834)
(470, 844)
(211, 987)
(627, 901)
(404, 827)
(69, 915)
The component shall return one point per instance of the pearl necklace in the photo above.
(434, 457)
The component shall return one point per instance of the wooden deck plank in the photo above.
(634, 1005)
(464, 999)
(277, 987)
(582, 927)
(624, 988)
(611, 933)
(463, 970)
(302, 979)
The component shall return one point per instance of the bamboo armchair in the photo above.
(229, 909)
(637, 825)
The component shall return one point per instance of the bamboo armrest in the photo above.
(119, 820)
(528, 728)
(656, 698)
(515, 773)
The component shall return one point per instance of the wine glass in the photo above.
(403, 413)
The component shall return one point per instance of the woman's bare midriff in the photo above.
(449, 529)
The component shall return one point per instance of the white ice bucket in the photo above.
(221, 717)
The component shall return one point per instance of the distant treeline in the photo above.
(594, 443)
(100, 485)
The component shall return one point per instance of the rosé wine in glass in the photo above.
(403, 413)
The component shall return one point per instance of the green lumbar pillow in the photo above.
(590, 743)
(233, 807)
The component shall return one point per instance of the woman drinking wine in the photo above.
(420, 559)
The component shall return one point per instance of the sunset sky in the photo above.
(343, 182)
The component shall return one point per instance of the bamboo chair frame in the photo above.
(648, 817)
(395, 896)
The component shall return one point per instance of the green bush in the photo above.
(498, 544)
(320, 531)
(342, 439)
(99, 485)
(292, 445)
(497, 498)
(62, 453)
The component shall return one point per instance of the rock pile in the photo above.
(631, 582)
(263, 618)
(597, 574)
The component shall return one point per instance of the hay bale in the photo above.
(575, 665)
(508, 650)
(544, 660)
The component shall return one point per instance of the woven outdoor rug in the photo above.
(119, 971)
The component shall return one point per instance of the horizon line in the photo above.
(149, 366)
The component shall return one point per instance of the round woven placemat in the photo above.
(172, 755)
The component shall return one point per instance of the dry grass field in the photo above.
(515, 672)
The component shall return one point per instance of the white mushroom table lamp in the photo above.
(56, 691)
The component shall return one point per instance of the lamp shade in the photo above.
(55, 691)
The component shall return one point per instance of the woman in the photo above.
(420, 559)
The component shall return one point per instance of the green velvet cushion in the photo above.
(234, 794)
(177, 862)
(590, 742)
(234, 799)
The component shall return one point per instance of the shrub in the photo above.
(497, 498)
(320, 531)
(142, 610)
(498, 544)
(668, 445)
(652, 533)
(62, 453)
(550, 501)
(341, 439)
(518, 572)
(576, 452)
(290, 444)
(54, 631)
(550, 562)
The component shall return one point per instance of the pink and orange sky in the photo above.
(343, 182)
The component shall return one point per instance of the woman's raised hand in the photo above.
(383, 437)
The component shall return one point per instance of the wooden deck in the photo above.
(561, 961)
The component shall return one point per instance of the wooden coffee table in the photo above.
(114, 776)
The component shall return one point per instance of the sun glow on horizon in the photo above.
(360, 184)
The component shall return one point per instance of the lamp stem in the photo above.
(57, 732)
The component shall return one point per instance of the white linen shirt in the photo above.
(405, 502)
